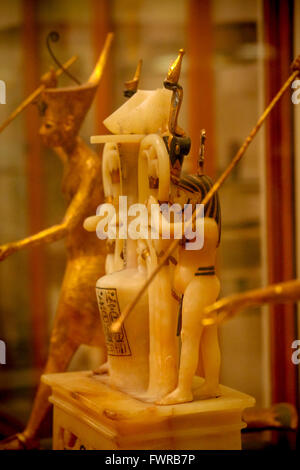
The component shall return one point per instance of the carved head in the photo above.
(64, 109)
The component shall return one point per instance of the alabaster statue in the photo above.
(166, 284)
(144, 156)
(77, 320)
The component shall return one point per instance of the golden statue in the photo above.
(77, 319)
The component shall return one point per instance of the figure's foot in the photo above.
(208, 391)
(177, 396)
(103, 369)
(104, 379)
(19, 442)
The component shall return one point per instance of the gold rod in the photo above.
(116, 325)
(34, 95)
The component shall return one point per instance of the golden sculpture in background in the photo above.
(48, 80)
(77, 319)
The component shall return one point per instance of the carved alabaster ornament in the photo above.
(201, 294)
(137, 127)
(146, 112)
(143, 355)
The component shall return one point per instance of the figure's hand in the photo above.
(90, 223)
(221, 310)
(6, 250)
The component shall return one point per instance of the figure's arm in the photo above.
(90, 223)
(210, 228)
(228, 307)
(72, 217)
(163, 225)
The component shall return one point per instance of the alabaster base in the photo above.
(90, 415)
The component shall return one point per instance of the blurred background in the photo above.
(238, 53)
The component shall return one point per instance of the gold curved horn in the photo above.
(175, 68)
(98, 70)
(171, 83)
(131, 86)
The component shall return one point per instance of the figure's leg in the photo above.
(200, 366)
(211, 355)
(190, 339)
(56, 363)
(198, 294)
(163, 364)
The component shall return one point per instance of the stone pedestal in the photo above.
(91, 415)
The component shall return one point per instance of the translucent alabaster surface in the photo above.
(145, 112)
(99, 417)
